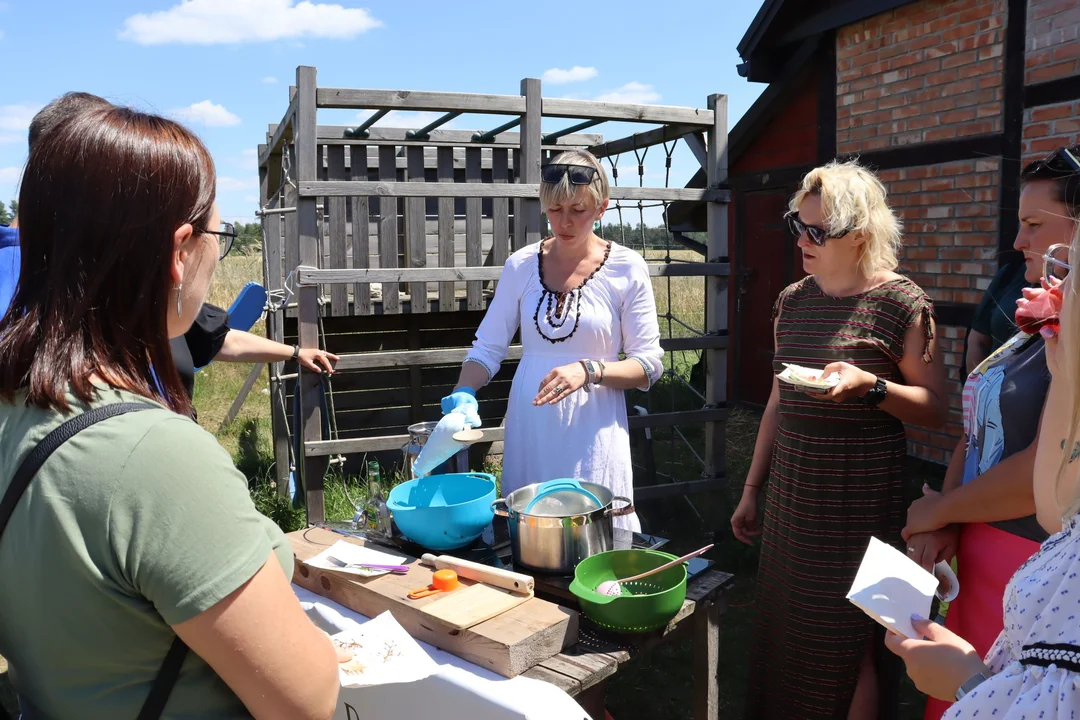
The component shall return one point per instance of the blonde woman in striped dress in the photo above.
(831, 466)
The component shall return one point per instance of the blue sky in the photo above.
(224, 66)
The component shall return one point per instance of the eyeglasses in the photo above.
(1056, 262)
(226, 235)
(578, 174)
(817, 235)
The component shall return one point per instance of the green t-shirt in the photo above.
(135, 524)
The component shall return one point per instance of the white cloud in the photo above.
(270, 80)
(405, 119)
(631, 92)
(17, 117)
(557, 76)
(207, 113)
(212, 22)
(232, 184)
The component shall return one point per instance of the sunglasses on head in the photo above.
(1063, 160)
(578, 174)
(817, 235)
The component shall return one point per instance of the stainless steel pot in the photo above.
(557, 544)
(418, 435)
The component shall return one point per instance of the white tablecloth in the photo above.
(459, 691)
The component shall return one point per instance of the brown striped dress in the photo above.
(837, 478)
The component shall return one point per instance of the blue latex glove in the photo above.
(463, 401)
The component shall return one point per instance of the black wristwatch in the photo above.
(875, 395)
(295, 352)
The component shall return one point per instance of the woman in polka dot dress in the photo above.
(1033, 670)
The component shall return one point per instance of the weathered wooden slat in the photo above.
(292, 236)
(339, 292)
(446, 228)
(716, 288)
(589, 109)
(388, 227)
(641, 140)
(517, 228)
(526, 191)
(361, 244)
(308, 297)
(273, 280)
(308, 276)
(415, 220)
(279, 134)
(497, 434)
(331, 134)
(346, 98)
(500, 209)
(531, 153)
(696, 143)
(473, 208)
(366, 361)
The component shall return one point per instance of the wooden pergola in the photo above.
(348, 208)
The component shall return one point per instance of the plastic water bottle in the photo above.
(440, 445)
(379, 517)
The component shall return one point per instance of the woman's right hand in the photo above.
(745, 521)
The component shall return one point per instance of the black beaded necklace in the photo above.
(559, 304)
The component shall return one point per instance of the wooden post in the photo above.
(527, 227)
(310, 387)
(388, 228)
(273, 245)
(705, 648)
(716, 287)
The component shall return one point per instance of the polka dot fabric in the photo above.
(1041, 605)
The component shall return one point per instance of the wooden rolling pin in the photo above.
(512, 581)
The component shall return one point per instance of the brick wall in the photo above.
(1053, 44)
(950, 215)
(927, 71)
(1049, 127)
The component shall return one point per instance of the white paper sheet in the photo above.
(383, 653)
(891, 587)
(347, 552)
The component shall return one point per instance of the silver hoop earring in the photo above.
(179, 306)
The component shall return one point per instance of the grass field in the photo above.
(656, 687)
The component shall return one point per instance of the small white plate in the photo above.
(806, 378)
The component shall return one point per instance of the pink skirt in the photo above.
(985, 563)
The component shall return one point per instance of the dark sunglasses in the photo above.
(578, 174)
(817, 235)
(1064, 161)
(226, 235)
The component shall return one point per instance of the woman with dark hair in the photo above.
(137, 538)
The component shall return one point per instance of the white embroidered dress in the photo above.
(584, 436)
(1036, 659)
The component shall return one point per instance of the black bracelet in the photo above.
(295, 352)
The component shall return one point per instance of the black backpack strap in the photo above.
(164, 682)
(169, 672)
(37, 457)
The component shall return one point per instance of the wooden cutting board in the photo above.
(505, 633)
(472, 605)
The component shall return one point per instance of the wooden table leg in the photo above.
(592, 700)
(706, 650)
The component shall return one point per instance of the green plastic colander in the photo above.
(645, 605)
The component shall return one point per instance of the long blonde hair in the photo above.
(853, 199)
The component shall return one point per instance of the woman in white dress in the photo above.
(1033, 670)
(580, 302)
